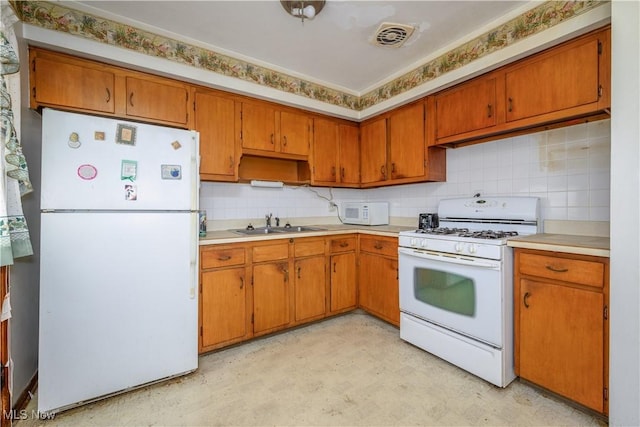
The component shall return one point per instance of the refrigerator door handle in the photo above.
(193, 262)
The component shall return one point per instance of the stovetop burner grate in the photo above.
(465, 232)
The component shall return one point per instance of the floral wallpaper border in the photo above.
(59, 18)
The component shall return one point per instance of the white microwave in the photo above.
(366, 213)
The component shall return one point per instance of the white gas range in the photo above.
(456, 283)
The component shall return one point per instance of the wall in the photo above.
(624, 346)
(567, 168)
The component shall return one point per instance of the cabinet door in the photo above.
(258, 127)
(561, 340)
(379, 286)
(465, 108)
(310, 288)
(325, 150)
(151, 99)
(271, 296)
(373, 151)
(223, 306)
(71, 85)
(215, 120)
(567, 78)
(343, 281)
(407, 143)
(294, 133)
(349, 154)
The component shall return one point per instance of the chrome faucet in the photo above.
(268, 220)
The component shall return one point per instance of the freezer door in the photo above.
(118, 303)
(95, 163)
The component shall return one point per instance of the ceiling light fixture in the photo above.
(303, 9)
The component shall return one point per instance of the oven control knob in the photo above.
(472, 248)
(413, 242)
(458, 247)
(423, 243)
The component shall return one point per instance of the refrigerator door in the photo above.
(118, 303)
(95, 163)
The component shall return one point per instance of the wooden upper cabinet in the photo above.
(407, 142)
(294, 133)
(336, 154)
(157, 99)
(267, 129)
(564, 78)
(467, 107)
(258, 126)
(325, 151)
(373, 151)
(215, 119)
(70, 83)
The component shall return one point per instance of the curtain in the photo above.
(14, 173)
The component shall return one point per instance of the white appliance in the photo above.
(366, 213)
(118, 261)
(456, 283)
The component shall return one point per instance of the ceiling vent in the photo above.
(389, 34)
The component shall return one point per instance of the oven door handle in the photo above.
(475, 262)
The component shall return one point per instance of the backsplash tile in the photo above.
(568, 168)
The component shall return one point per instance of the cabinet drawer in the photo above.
(308, 247)
(343, 245)
(589, 273)
(223, 257)
(270, 252)
(379, 246)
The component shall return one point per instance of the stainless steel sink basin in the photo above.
(276, 230)
(259, 230)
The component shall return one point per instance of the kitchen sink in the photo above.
(276, 230)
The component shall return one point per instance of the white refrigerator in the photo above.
(119, 257)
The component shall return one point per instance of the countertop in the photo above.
(573, 244)
(225, 236)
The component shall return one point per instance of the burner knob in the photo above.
(413, 242)
(423, 243)
(472, 248)
(458, 247)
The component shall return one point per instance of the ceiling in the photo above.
(334, 49)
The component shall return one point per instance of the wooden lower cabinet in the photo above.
(343, 277)
(378, 277)
(224, 295)
(225, 298)
(256, 288)
(310, 288)
(561, 323)
(271, 296)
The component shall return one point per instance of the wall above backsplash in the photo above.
(568, 168)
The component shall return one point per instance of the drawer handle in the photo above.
(343, 244)
(378, 246)
(224, 258)
(557, 270)
(525, 299)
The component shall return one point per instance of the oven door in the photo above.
(459, 293)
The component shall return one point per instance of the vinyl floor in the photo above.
(351, 370)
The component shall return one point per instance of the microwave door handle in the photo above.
(451, 259)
